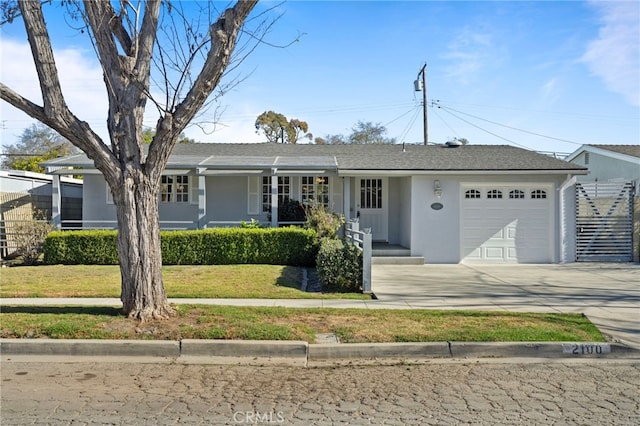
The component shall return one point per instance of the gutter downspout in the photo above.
(567, 216)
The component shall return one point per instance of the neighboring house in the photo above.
(23, 194)
(609, 193)
(448, 204)
(608, 162)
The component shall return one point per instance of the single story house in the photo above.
(448, 203)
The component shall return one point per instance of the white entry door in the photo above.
(371, 202)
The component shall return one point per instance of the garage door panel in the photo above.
(506, 230)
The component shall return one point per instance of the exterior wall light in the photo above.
(437, 189)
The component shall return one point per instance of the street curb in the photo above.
(88, 347)
(302, 353)
(541, 350)
(353, 351)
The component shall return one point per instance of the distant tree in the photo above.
(277, 128)
(37, 143)
(331, 140)
(369, 133)
(148, 135)
(361, 133)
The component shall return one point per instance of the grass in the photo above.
(253, 323)
(269, 323)
(184, 281)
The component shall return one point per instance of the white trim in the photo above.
(605, 152)
(254, 189)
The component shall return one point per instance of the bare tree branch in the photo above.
(224, 34)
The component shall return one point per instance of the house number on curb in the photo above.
(586, 348)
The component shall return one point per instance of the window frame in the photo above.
(494, 194)
(521, 195)
(472, 194)
(312, 188)
(538, 194)
(170, 192)
(284, 191)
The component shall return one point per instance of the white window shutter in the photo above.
(193, 189)
(253, 193)
(336, 194)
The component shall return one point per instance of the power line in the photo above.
(439, 105)
(485, 130)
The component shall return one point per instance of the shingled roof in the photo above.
(630, 150)
(346, 158)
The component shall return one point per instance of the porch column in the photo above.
(56, 202)
(346, 197)
(202, 199)
(274, 198)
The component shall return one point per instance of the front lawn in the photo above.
(183, 281)
(272, 323)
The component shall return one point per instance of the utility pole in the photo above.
(421, 86)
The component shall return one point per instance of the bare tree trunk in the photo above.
(143, 295)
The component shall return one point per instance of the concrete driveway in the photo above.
(608, 293)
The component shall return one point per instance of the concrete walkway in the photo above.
(608, 293)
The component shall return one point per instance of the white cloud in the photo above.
(80, 78)
(83, 87)
(468, 53)
(614, 55)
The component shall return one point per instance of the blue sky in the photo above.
(547, 76)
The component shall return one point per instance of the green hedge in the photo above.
(339, 266)
(81, 248)
(217, 246)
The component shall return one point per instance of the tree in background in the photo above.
(369, 133)
(361, 133)
(37, 143)
(277, 128)
(148, 134)
(149, 51)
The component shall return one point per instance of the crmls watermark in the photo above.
(255, 417)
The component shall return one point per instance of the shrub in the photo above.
(95, 247)
(217, 246)
(224, 246)
(254, 224)
(325, 223)
(29, 237)
(339, 265)
(291, 211)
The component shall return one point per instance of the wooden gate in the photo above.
(604, 220)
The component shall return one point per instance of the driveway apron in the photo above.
(607, 293)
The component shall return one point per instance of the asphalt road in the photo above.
(586, 392)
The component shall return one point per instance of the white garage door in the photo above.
(506, 224)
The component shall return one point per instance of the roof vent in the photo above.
(453, 143)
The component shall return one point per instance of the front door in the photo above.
(372, 206)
